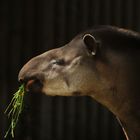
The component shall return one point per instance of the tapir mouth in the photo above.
(32, 80)
(33, 85)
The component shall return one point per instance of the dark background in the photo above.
(28, 28)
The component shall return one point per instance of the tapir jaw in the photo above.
(41, 83)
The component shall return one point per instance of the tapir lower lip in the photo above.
(33, 85)
(29, 84)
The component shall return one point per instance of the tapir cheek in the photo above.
(51, 75)
(55, 87)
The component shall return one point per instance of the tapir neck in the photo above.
(125, 102)
(131, 127)
(129, 117)
(130, 120)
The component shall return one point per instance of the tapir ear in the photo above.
(90, 43)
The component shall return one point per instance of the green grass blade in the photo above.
(14, 110)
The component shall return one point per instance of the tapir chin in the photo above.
(103, 63)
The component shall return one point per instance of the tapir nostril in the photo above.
(21, 80)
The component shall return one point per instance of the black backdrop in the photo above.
(28, 28)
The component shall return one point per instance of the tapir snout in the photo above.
(31, 75)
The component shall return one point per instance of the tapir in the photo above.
(103, 63)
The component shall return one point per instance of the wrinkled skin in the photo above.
(103, 63)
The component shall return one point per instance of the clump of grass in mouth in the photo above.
(14, 109)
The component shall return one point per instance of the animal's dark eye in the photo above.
(58, 62)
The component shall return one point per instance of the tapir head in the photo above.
(68, 70)
(63, 71)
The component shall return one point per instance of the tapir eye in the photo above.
(58, 62)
